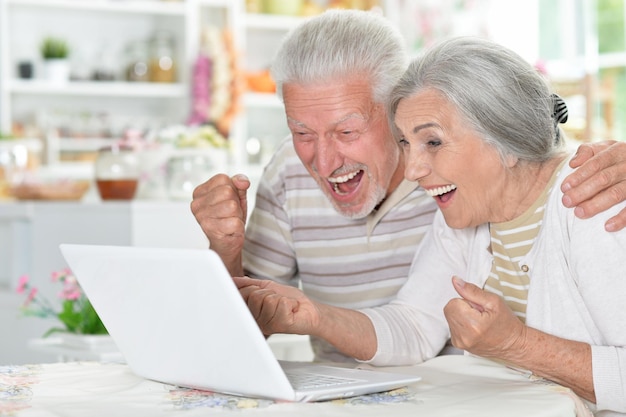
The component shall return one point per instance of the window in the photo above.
(585, 40)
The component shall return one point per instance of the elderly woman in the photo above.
(477, 125)
(539, 288)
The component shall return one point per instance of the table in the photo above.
(69, 347)
(454, 385)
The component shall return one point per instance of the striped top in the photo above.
(295, 236)
(510, 242)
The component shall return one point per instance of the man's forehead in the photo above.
(358, 116)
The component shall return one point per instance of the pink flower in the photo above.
(71, 289)
(61, 275)
(70, 293)
(22, 284)
(31, 296)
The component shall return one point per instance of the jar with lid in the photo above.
(185, 171)
(117, 173)
(162, 63)
(137, 60)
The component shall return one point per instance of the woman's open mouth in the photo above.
(443, 194)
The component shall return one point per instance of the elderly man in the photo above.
(333, 213)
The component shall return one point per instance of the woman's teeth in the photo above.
(434, 192)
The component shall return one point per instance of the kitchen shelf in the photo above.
(262, 100)
(100, 89)
(131, 6)
(215, 3)
(84, 144)
(274, 22)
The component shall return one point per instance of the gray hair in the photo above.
(342, 44)
(502, 96)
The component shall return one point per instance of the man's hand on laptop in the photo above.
(278, 308)
(284, 309)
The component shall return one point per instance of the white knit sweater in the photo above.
(577, 287)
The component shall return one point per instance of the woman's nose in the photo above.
(417, 166)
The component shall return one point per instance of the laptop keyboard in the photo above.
(308, 381)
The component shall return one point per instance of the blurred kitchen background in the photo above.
(112, 111)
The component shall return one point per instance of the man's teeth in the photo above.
(340, 180)
(343, 178)
(433, 192)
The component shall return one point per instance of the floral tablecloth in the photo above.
(450, 386)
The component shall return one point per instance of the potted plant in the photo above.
(76, 314)
(81, 327)
(54, 52)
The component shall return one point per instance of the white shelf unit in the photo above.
(264, 112)
(97, 32)
(89, 25)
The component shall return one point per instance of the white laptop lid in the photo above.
(177, 317)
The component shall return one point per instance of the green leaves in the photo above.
(54, 48)
(79, 316)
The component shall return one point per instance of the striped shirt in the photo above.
(510, 242)
(295, 236)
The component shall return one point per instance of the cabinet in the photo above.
(30, 234)
(98, 33)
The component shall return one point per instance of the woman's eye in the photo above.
(433, 142)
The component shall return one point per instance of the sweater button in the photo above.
(525, 268)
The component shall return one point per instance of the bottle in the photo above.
(162, 64)
(117, 172)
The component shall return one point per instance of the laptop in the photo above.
(177, 317)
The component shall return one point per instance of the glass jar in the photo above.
(185, 172)
(8, 165)
(162, 63)
(117, 173)
(137, 56)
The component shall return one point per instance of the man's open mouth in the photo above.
(345, 184)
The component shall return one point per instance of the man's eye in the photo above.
(302, 136)
(349, 134)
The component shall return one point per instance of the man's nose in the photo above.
(327, 157)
